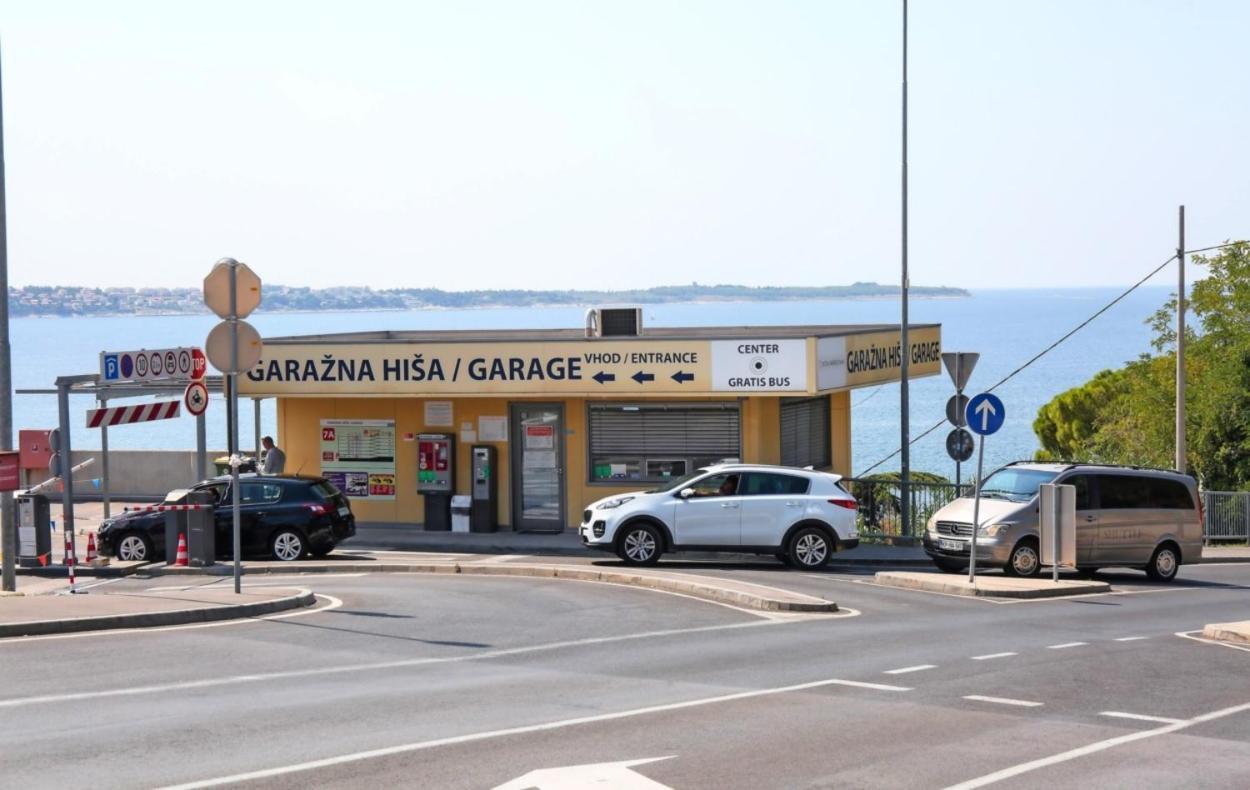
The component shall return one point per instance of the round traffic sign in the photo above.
(155, 363)
(959, 445)
(128, 366)
(955, 407)
(141, 365)
(218, 347)
(195, 398)
(985, 414)
(184, 363)
(171, 363)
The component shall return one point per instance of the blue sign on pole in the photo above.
(985, 414)
(111, 368)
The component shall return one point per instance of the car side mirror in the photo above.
(686, 493)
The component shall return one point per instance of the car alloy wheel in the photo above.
(640, 545)
(287, 546)
(810, 549)
(1163, 565)
(132, 548)
(1024, 561)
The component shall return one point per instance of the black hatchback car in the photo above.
(283, 517)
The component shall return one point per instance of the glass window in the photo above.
(1015, 484)
(1117, 492)
(1081, 484)
(325, 489)
(764, 484)
(218, 490)
(716, 485)
(657, 442)
(1170, 495)
(259, 493)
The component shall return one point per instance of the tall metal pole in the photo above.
(104, 457)
(67, 469)
(233, 405)
(976, 511)
(1180, 345)
(8, 534)
(905, 345)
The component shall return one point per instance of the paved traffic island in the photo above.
(39, 615)
(990, 586)
(1228, 632)
(709, 588)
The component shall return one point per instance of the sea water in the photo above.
(1007, 327)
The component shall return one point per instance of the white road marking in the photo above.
(859, 684)
(1131, 638)
(1115, 714)
(521, 730)
(377, 666)
(988, 656)
(1066, 645)
(334, 603)
(619, 776)
(1023, 703)
(1093, 748)
(905, 670)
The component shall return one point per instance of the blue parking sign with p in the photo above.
(112, 367)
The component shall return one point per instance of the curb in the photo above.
(684, 586)
(1228, 632)
(156, 619)
(941, 585)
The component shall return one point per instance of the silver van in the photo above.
(1125, 516)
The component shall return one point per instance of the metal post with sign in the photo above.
(232, 291)
(959, 365)
(985, 414)
(1057, 526)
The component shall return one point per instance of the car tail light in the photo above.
(317, 510)
(849, 504)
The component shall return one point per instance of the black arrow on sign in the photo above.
(681, 378)
(641, 377)
(602, 377)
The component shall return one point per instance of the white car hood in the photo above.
(635, 494)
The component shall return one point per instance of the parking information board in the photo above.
(158, 364)
(358, 457)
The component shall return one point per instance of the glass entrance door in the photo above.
(538, 467)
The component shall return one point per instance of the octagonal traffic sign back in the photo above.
(217, 289)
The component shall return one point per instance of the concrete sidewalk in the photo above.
(33, 615)
(991, 586)
(1229, 632)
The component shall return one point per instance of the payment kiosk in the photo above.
(34, 530)
(483, 513)
(436, 478)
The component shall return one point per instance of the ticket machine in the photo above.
(436, 477)
(34, 530)
(484, 509)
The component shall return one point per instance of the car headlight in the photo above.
(614, 503)
(993, 530)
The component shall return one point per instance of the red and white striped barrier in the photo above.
(125, 415)
(165, 508)
(71, 560)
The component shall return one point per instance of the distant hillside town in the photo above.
(35, 300)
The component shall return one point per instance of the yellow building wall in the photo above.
(299, 434)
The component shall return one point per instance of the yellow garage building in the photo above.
(562, 417)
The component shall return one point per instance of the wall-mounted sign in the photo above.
(358, 457)
(873, 357)
(759, 365)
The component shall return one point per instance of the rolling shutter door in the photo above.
(805, 432)
(710, 431)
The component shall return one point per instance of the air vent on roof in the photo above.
(614, 322)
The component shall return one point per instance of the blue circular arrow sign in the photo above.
(985, 414)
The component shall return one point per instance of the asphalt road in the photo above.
(438, 681)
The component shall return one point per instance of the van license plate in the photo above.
(345, 511)
(952, 545)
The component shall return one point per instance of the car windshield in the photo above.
(1017, 485)
(678, 483)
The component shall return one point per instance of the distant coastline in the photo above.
(74, 302)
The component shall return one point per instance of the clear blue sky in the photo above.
(594, 144)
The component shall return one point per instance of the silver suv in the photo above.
(1125, 516)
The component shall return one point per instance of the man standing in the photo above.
(275, 459)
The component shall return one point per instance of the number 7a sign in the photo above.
(327, 434)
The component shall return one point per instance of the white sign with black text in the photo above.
(759, 365)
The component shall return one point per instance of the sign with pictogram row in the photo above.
(161, 364)
(125, 415)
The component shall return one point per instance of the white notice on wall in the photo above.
(438, 414)
(759, 365)
(492, 429)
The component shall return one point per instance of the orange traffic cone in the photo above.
(182, 560)
(92, 556)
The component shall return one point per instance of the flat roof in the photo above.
(571, 334)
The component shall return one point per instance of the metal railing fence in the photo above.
(880, 511)
(1226, 515)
